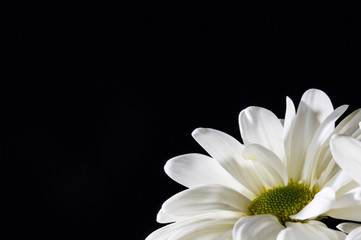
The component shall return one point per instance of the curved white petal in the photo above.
(195, 170)
(227, 151)
(349, 199)
(341, 183)
(162, 233)
(348, 226)
(205, 230)
(338, 181)
(265, 227)
(167, 231)
(327, 168)
(347, 153)
(312, 230)
(274, 168)
(288, 126)
(289, 116)
(222, 147)
(320, 137)
(352, 213)
(199, 200)
(322, 202)
(261, 126)
(349, 124)
(225, 236)
(347, 206)
(355, 234)
(313, 109)
(357, 134)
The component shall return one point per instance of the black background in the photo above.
(97, 96)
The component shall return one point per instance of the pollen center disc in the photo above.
(282, 201)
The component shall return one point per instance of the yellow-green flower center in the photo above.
(282, 201)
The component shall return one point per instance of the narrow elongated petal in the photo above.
(288, 126)
(289, 116)
(222, 147)
(265, 227)
(200, 200)
(227, 151)
(194, 170)
(349, 124)
(261, 126)
(314, 107)
(322, 202)
(312, 230)
(347, 153)
(320, 137)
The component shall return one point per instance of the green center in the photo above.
(282, 201)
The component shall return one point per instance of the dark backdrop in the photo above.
(97, 96)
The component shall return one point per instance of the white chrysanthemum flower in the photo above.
(275, 186)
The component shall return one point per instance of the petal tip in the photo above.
(197, 131)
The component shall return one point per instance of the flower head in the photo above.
(276, 185)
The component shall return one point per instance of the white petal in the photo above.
(312, 230)
(347, 153)
(273, 166)
(348, 226)
(327, 168)
(261, 126)
(194, 170)
(347, 206)
(288, 125)
(290, 114)
(162, 233)
(205, 230)
(352, 213)
(322, 202)
(314, 107)
(357, 134)
(320, 137)
(355, 234)
(199, 200)
(351, 198)
(227, 151)
(265, 227)
(256, 176)
(225, 236)
(349, 124)
(338, 182)
(166, 232)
